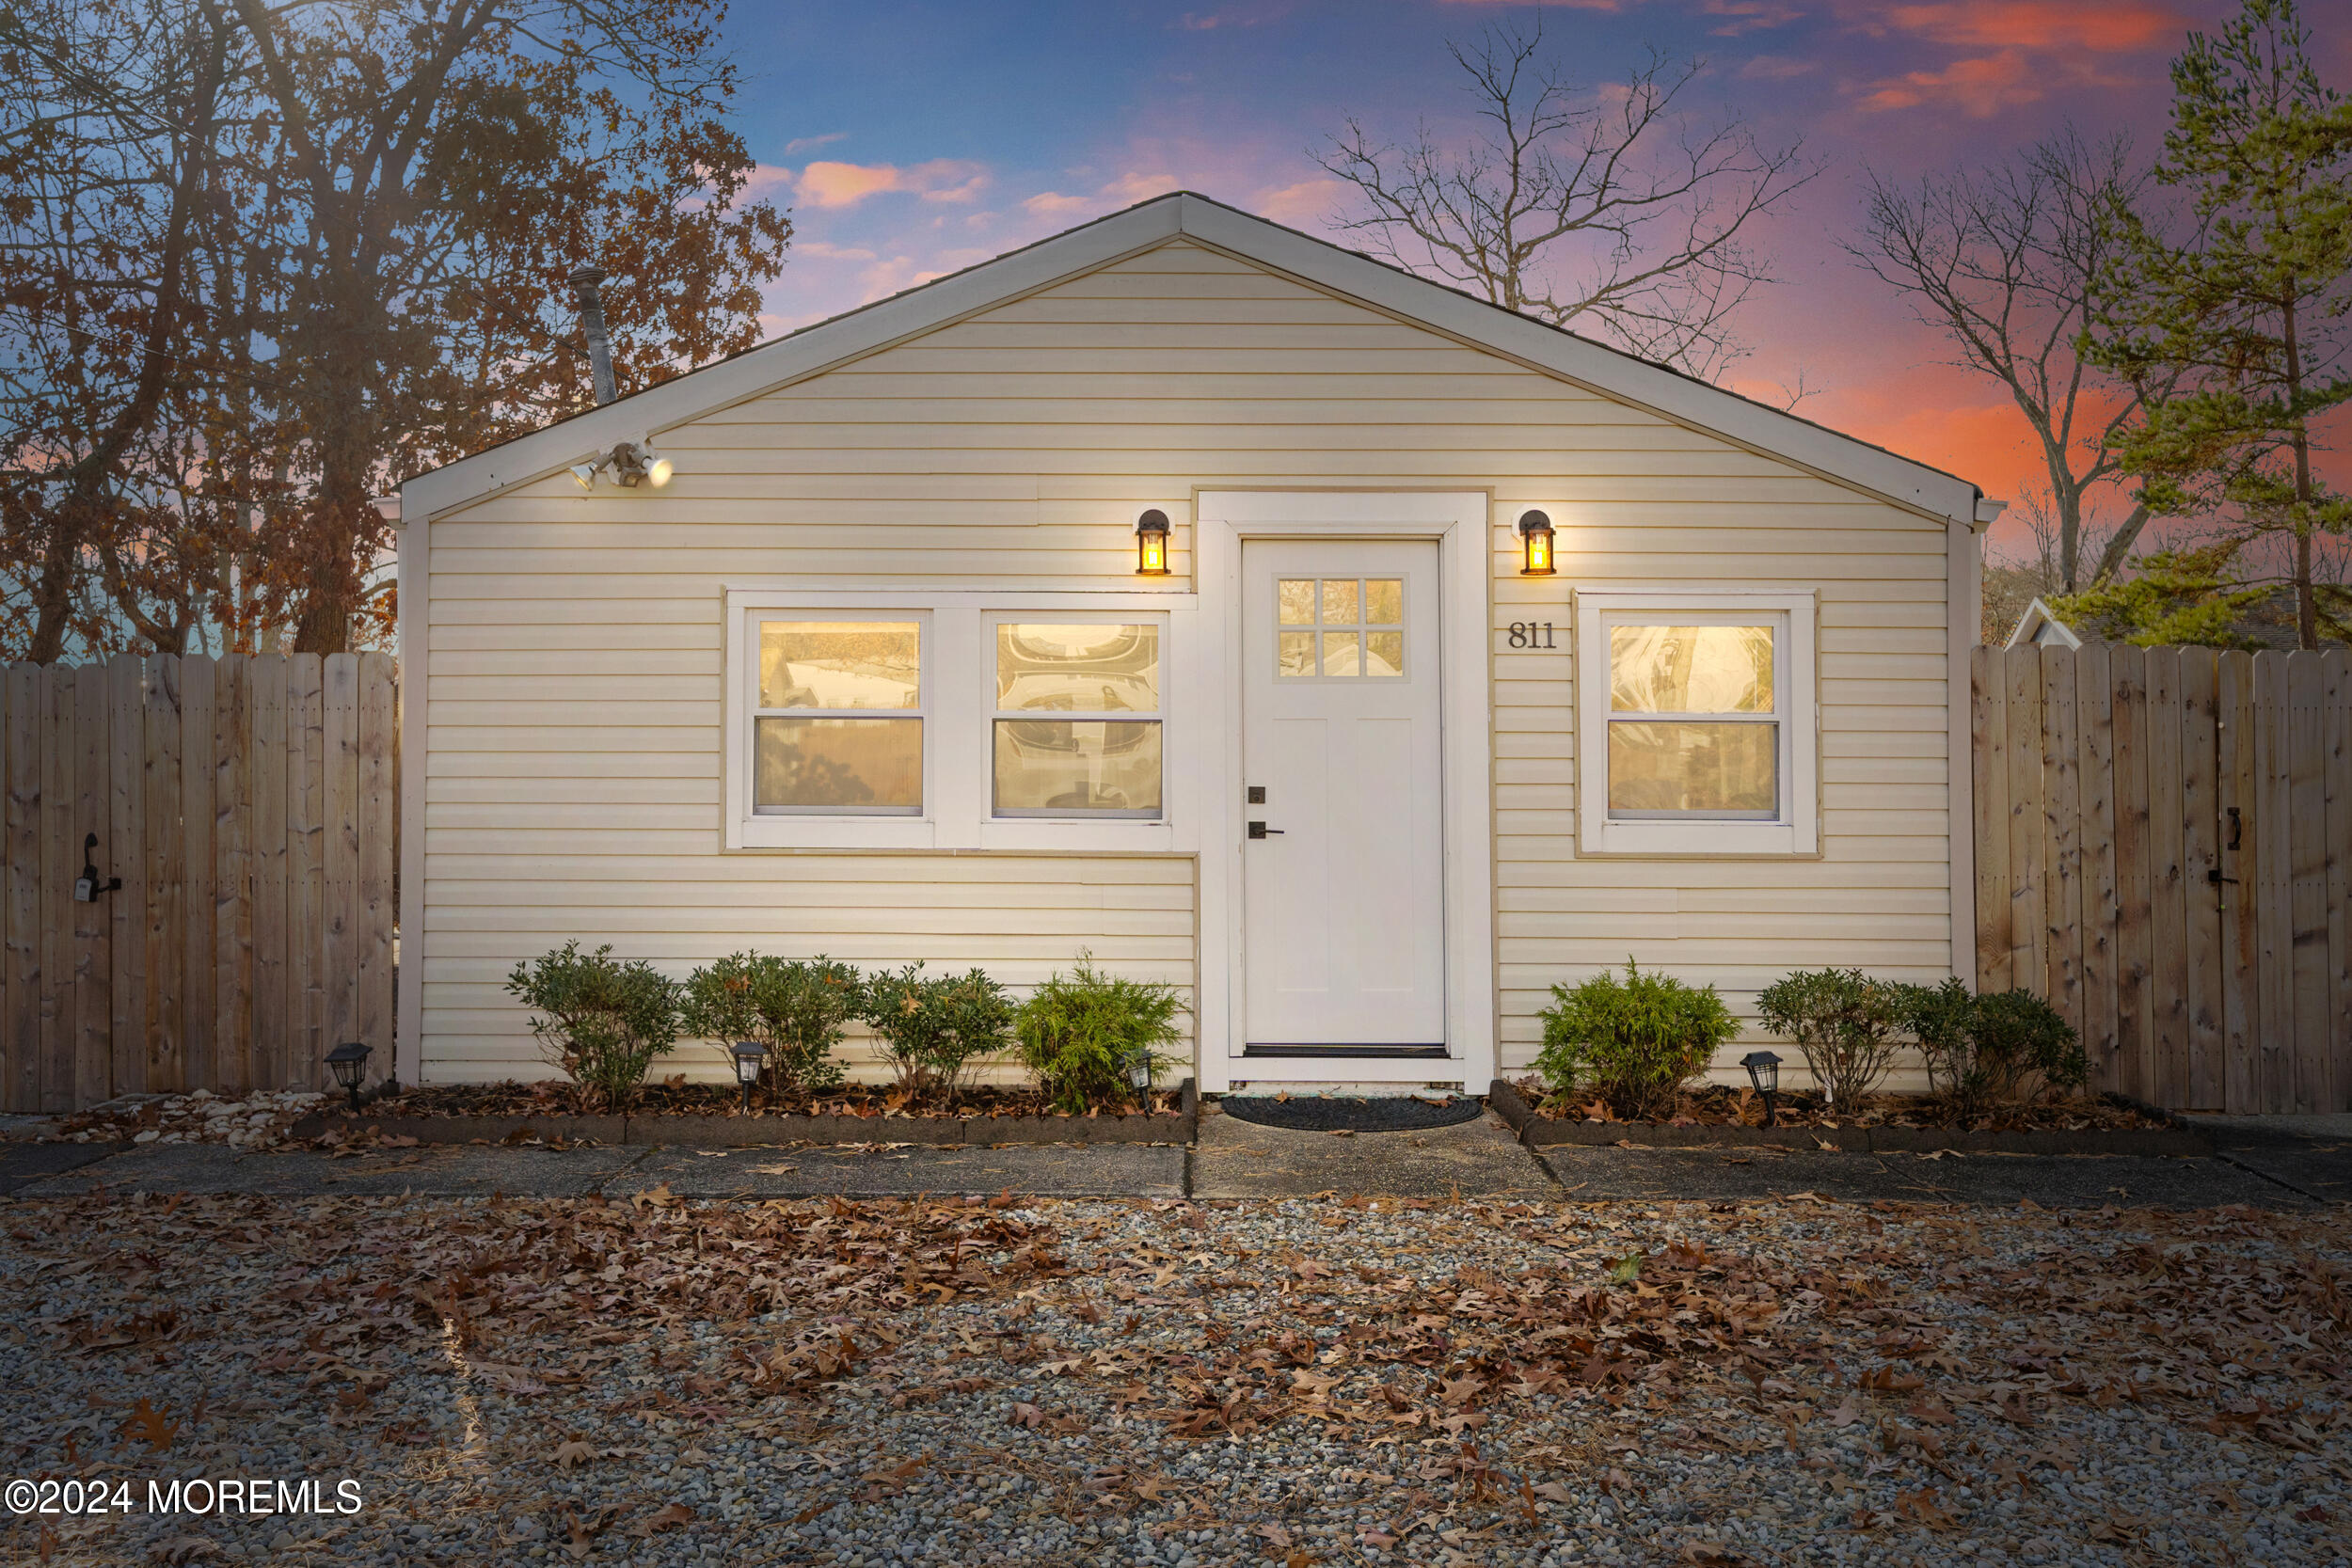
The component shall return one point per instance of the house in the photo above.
(1476, 657)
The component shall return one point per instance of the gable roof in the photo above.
(2039, 628)
(1540, 347)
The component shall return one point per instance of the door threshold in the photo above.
(1415, 1053)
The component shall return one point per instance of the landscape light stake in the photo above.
(1764, 1072)
(349, 1064)
(1140, 1077)
(749, 1054)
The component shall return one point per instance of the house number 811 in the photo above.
(1532, 634)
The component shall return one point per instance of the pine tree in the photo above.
(2244, 316)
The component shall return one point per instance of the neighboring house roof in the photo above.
(2039, 628)
(1539, 346)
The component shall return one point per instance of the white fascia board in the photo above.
(788, 359)
(1603, 370)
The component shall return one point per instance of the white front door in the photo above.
(1343, 866)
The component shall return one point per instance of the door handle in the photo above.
(1259, 830)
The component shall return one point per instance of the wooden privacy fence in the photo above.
(2163, 841)
(249, 806)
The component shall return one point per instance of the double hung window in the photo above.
(872, 720)
(1696, 723)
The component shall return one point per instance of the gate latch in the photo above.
(87, 887)
(1259, 830)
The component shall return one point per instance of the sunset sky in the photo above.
(911, 139)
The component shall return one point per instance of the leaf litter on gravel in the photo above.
(1472, 1378)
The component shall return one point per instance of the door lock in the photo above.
(1259, 830)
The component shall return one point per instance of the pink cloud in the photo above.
(1983, 87)
(2109, 25)
(1776, 68)
(1304, 205)
(825, 184)
(1054, 204)
(1748, 16)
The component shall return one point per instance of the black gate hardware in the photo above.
(87, 887)
(2238, 827)
(2216, 877)
(1259, 830)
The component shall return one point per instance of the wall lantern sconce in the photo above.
(1152, 544)
(633, 463)
(750, 1056)
(1764, 1073)
(1534, 531)
(349, 1064)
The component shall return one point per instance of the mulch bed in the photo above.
(1886, 1124)
(710, 1115)
(677, 1097)
(1718, 1105)
(1315, 1112)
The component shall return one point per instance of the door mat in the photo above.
(1315, 1112)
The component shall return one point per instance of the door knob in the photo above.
(1259, 830)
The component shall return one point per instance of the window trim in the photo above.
(1796, 829)
(959, 724)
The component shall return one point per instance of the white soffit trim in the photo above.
(1599, 369)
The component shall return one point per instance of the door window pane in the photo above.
(1065, 767)
(869, 766)
(1080, 668)
(841, 664)
(1362, 622)
(1691, 669)
(1696, 770)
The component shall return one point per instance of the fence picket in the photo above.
(22, 1021)
(2062, 817)
(341, 950)
(267, 783)
(2303, 737)
(197, 685)
(167, 1065)
(374, 818)
(2095, 724)
(126, 857)
(2168, 860)
(306, 867)
(2336, 697)
(94, 810)
(58, 864)
(2201, 788)
(1988, 729)
(232, 881)
(2135, 961)
(2028, 923)
(2274, 947)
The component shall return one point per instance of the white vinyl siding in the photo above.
(573, 776)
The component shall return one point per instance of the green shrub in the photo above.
(1845, 1024)
(600, 1022)
(1635, 1042)
(933, 1030)
(794, 1009)
(1079, 1035)
(1983, 1049)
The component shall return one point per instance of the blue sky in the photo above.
(912, 139)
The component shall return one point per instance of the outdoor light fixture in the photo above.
(1152, 544)
(634, 464)
(1764, 1072)
(749, 1057)
(1534, 533)
(1139, 1073)
(349, 1064)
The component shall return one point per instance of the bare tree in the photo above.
(2002, 262)
(1610, 211)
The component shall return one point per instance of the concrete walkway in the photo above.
(2257, 1164)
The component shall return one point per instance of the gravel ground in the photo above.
(1165, 1383)
(262, 1118)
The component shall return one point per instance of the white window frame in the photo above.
(959, 725)
(1796, 832)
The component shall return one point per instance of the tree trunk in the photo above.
(2306, 604)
